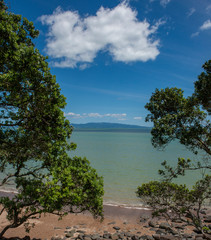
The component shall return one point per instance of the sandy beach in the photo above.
(128, 220)
(49, 226)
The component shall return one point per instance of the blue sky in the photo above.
(109, 56)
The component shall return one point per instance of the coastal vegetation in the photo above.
(177, 117)
(33, 128)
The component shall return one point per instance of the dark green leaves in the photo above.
(176, 117)
(34, 134)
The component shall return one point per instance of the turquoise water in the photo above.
(126, 160)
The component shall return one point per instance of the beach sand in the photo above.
(48, 226)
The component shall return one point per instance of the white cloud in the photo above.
(164, 2)
(195, 34)
(116, 115)
(137, 118)
(94, 115)
(73, 40)
(73, 115)
(191, 12)
(206, 25)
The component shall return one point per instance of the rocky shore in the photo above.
(147, 228)
(120, 223)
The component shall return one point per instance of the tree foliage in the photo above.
(34, 134)
(203, 87)
(177, 117)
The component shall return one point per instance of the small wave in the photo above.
(128, 206)
(8, 191)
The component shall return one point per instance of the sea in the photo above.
(126, 160)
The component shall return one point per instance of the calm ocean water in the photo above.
(126, 160)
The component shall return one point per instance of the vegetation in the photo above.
(177, 117)
(34, 134)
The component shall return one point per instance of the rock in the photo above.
(173, 232)
(115, 236)
(81, 231)
(169, 237)
(116, 228)
(179, 226)
(207, 219)
(69, 235)
(199, 238)
(57, 228)
(165, 237)
(87, 238)
(203, 212)
(177, 220)
(161, 231)
(80, 236)
(95, 236)
(107, 235)
(143, 219)
(111, 223)
(73, 231)
(186, 236)
(196, 231)
(26, 238)
(156, 236)
(128, 235)
(68, 227)
(152, 223)
(135, 237)
(165, 226)
(149, 237)
(121, 235)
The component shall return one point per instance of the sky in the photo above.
(109, 56)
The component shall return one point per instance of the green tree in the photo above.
(177, 117)
(34, 134)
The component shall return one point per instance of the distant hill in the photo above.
(109, 127)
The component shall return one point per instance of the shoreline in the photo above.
(10, 193)
(118, 220)
(49, 226)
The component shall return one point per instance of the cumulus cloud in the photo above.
(73, 40)
(206, 25)
(119, 116)
(73, 115)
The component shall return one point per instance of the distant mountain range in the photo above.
(109, 127)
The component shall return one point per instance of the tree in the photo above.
(203, 87)
(177, 117)
(34, 134)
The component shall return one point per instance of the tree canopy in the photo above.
(34, 134)
(187, 120)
